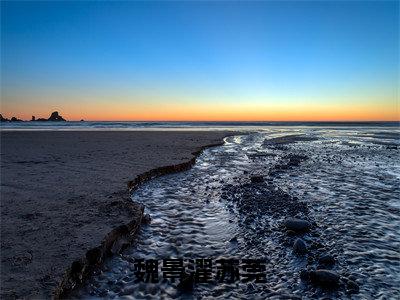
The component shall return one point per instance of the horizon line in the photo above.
(224, 121)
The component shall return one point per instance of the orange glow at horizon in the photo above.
(217, 112)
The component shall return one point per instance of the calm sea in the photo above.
(95, 125)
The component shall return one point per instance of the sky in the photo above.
(194, 61)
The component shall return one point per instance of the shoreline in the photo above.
(34, 280)
(123, 235)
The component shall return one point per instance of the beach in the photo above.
(62, 192)
(306, 212)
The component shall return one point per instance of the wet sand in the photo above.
(62, 192)
(319, 207)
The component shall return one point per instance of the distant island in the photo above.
(54, 117)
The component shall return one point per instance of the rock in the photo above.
(146, 219)
(326, 260)
(256, 179)
(352, 287)
(304, 275)
(325, 278)
(33, 118)
(3, 119)
(233, 240)
(299, 247)
(297, 225)
(15, 119)
(55, 117)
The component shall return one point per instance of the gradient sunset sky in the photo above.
(264, 61)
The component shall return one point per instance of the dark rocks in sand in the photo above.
(257, 179)
(299, 247)
(326, 260)
(325, 278)
(352, 287)
(55, 117)
(297, 225)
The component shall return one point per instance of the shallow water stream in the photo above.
(345, 181)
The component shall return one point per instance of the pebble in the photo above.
(325, 278)
(297, 225)
(299, 246)
(256, 179)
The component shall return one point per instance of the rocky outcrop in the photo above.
(55, 117)
(3, 119)
(15, 119)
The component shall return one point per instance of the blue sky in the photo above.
(198, 53)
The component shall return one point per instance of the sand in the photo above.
(56, 190)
